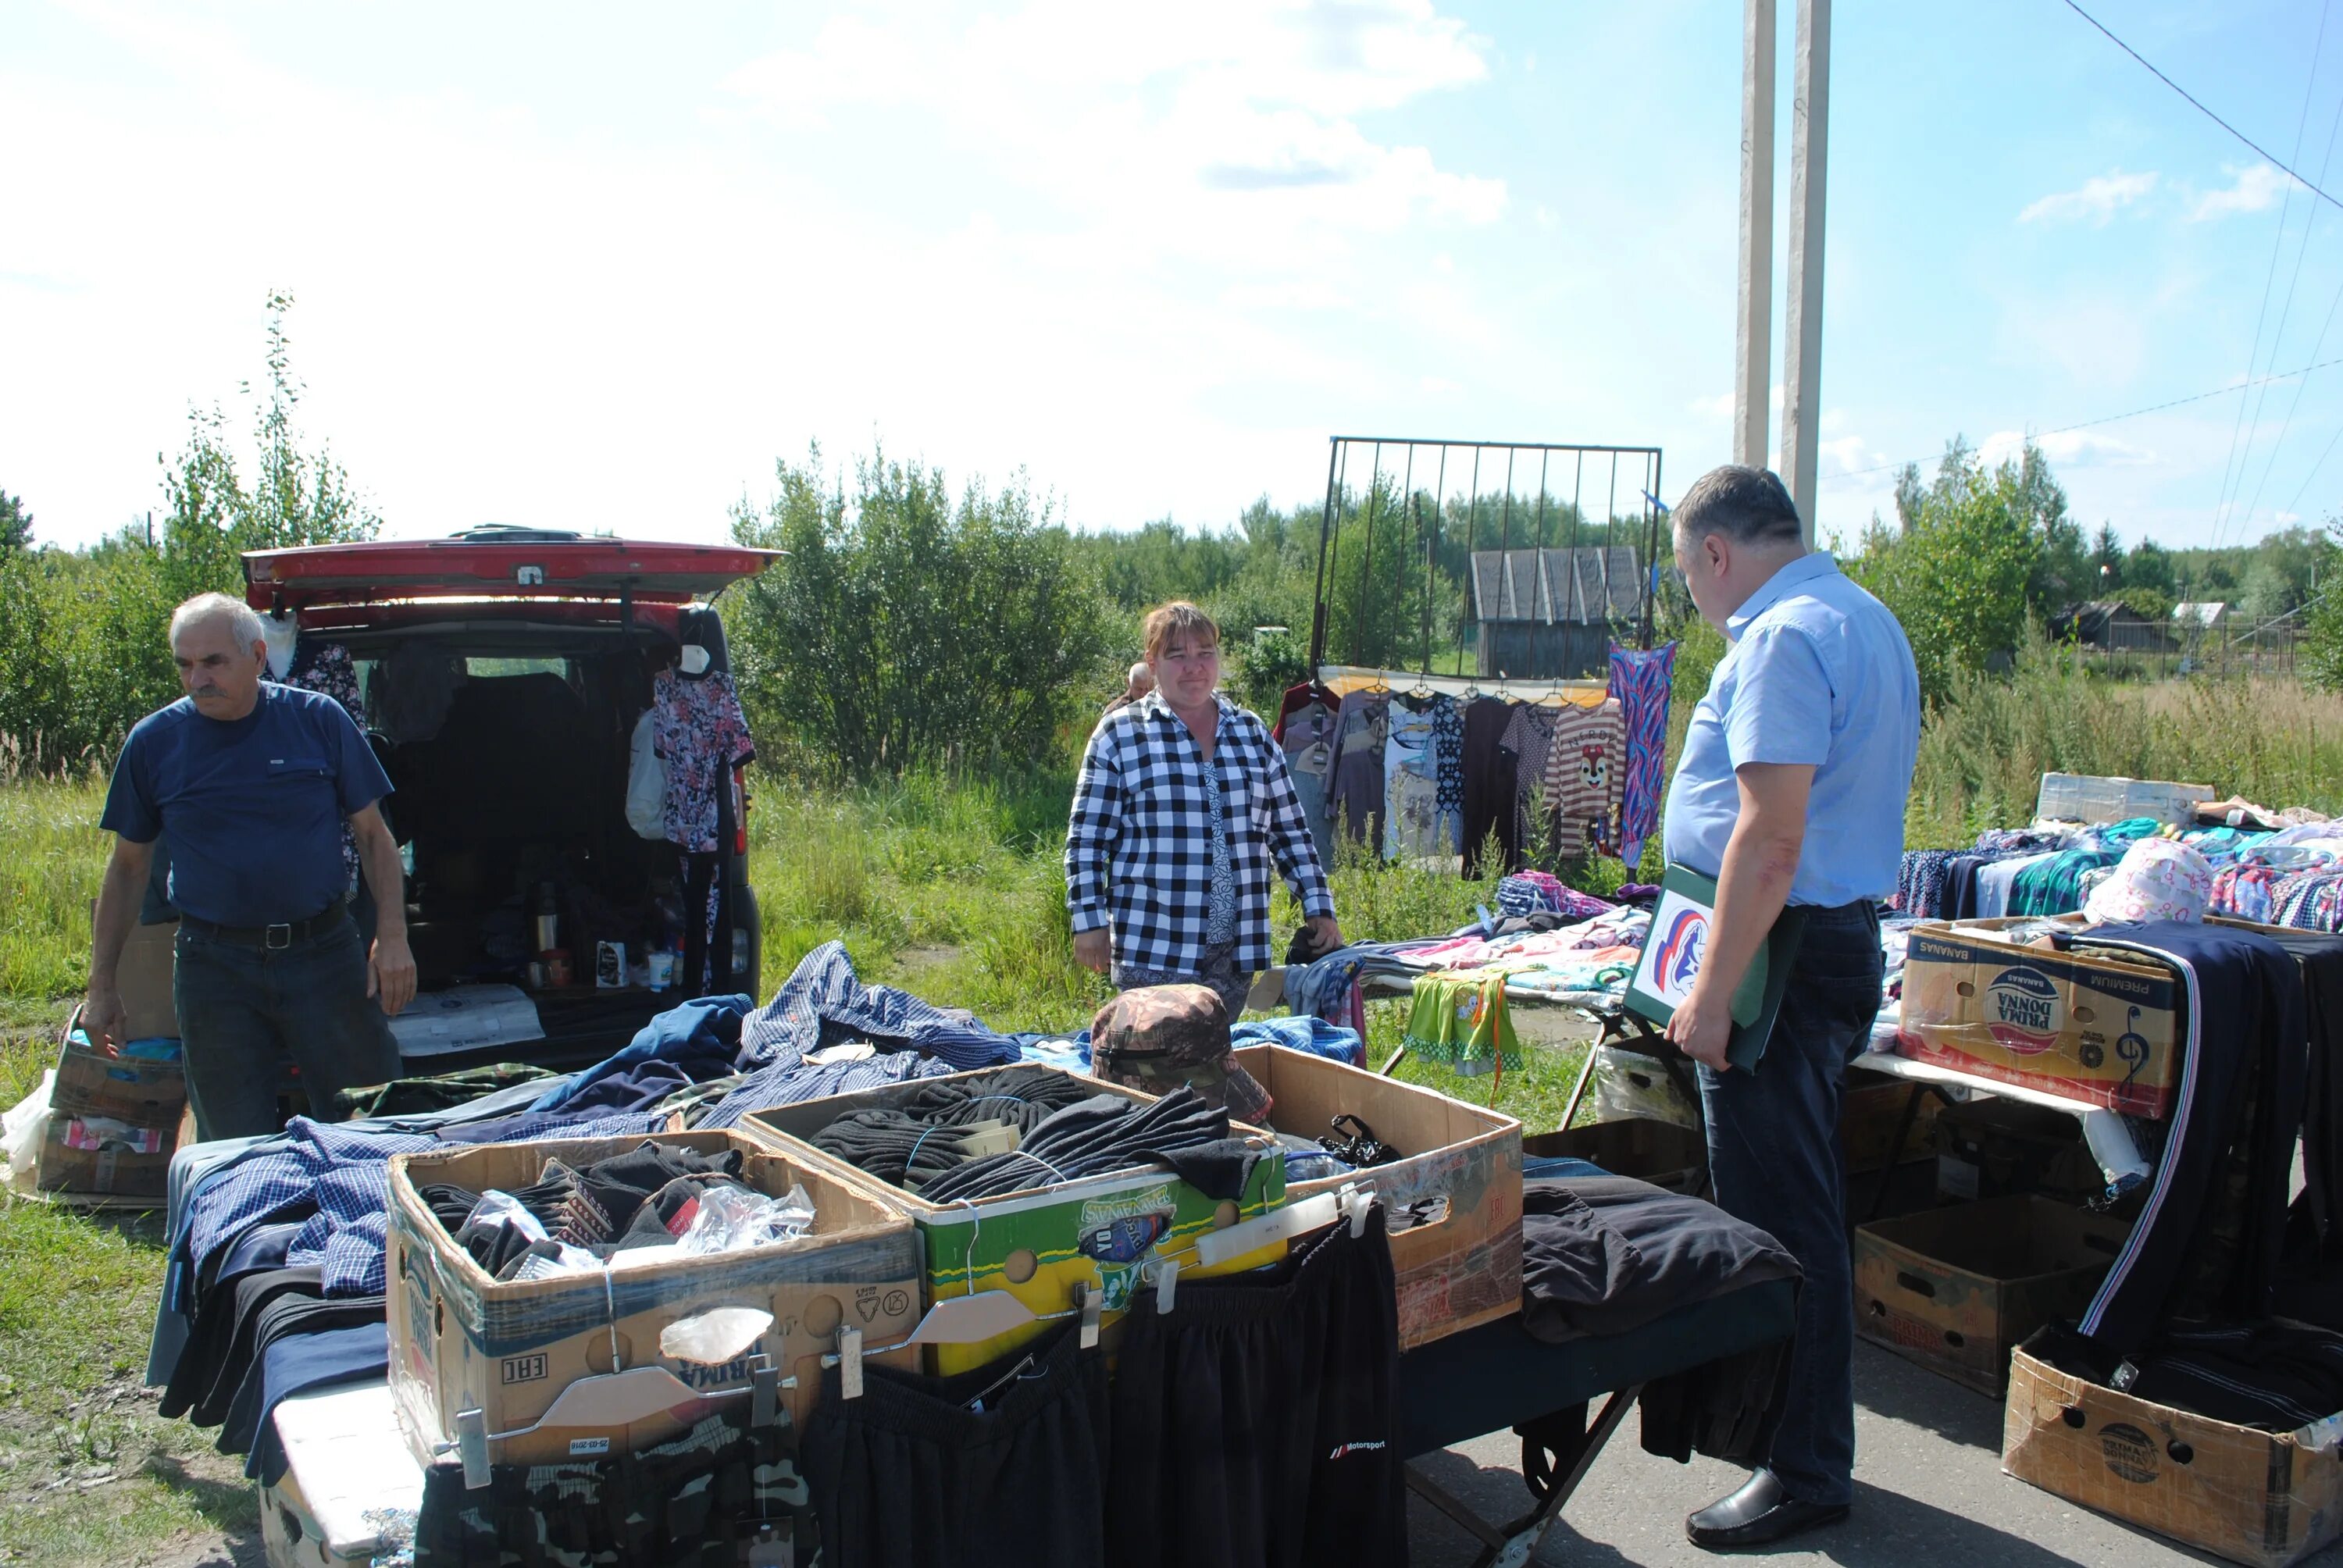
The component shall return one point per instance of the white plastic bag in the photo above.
(494, 1206)
(715, 1336)
(1628, 1084)
(645, 785)
(570, 1260)
(23, 1130)
(732, 1218)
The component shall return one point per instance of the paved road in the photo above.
(1929, 1491)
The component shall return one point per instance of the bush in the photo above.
(906, 630)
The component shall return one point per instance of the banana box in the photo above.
(2098, 1031)
(1099, 1232)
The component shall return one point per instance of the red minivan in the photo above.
(501, 673)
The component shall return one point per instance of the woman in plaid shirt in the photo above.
(1182, 806)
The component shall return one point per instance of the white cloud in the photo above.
(1846, 454)
(1720, 407)
(2254, 189)
(1155, 120)
(2068, 449)
(2094, 202)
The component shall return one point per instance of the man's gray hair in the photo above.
(1747, 506)
(243, 620)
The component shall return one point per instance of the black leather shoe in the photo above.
(1758, 1514)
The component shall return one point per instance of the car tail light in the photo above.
(739, 810)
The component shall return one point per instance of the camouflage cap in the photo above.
(1156, 1037)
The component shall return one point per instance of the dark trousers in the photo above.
(242, 1009)
(1774, 1158)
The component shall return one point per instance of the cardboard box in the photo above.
(466, 1018)
(460, 1340)
(2257, 1497)
(132, 1088)
(1871, 1111)
(2088, 1029)
(1661, 1152)
(1462, 1269)
(98, 1158)
(2001, 1147)
(143, 979)
(2097, 797)
(1957, 1288)
(1038, 1244)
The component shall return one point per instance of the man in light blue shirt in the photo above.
(1791, 790)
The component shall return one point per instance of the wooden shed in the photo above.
(1550, 614)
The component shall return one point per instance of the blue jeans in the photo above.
(242, 1009)
(1775, 1160)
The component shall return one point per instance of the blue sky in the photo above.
(588, 266)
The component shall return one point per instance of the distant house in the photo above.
(2196, 619)
(1550, 615)
(2105, 623)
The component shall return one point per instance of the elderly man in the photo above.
(1791, 791)
(252, 781)
(1138, 683)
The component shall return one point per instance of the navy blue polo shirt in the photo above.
(254, 806)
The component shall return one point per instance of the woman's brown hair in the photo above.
(1178, 618)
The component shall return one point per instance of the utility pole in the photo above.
(1754, 331)
(1802, 371)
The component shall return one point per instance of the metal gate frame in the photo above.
(1646, 497)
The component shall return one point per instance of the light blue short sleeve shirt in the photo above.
(1819, 673)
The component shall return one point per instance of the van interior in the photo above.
(508, 744)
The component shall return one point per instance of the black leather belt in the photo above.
(275, 938)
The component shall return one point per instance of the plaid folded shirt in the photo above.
(1138, 847)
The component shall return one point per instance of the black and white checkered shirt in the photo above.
(1139, 848)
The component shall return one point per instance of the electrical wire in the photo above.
(2223, 498)
(2269, 464)
(2200, 108)
(2111, 418)
(2295, 505)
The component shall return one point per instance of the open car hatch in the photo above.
(496, 562)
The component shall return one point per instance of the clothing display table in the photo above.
(1501, 1376)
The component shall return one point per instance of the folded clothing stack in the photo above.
(1028, 1127)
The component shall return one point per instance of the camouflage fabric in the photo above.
(1157, 1037)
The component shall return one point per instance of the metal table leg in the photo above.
(1512, 1546)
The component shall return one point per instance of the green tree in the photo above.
(15, 525)
(2108, 559)
(1957, 574)
(2147, 567)
(907, 628)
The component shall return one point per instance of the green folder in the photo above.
(1678, 940)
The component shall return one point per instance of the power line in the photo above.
(2221, 497)
(2287, 424)
(2297, 502)
(2200, 109)
(2112, 419)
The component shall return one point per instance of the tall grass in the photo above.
(51, 859)
(1983, 750)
